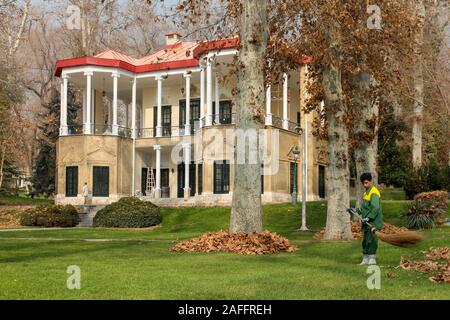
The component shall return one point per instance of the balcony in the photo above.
(105, 130)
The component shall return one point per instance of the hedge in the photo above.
(50, 216)
(128, 212)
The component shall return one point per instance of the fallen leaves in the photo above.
(8, 219)
(264, 242)
(358, 234)
(437, 261)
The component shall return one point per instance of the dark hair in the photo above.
(365, 176)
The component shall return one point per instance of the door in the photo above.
(321, 181)
(144, 176)
(194, 113)
(166, 120)
(221, 177)
(224, 111)
(100, 182)
(180, 179)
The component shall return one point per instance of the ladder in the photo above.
(150, 182)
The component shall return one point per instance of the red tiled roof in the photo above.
(176, 56)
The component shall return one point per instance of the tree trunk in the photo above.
(366, 133)
(418, 89)
(338, 220)
(2, 162)
(246, 215)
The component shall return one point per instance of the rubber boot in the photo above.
(372, 259)
(365, 260)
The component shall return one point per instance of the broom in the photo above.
(399, 239)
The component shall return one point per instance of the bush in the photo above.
(128, 212)
(427, 178)
(50, 216)
(427, 210)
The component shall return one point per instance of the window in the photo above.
(71, 181)
(298, 118)
(221, 176)
(100, 182)
(224, 111)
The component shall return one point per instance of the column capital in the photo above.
(65, 76)
(161, 77)
(157, 147)
(88, 73)
(115, 74)
(186, 145)
(188, 74)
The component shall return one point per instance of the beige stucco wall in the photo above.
(89, 151)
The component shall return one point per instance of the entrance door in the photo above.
(321, 181)
(180, 179)
(100, 182)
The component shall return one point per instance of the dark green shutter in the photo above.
(100, 182)
(71, 181)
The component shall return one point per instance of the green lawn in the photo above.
(23, 200)
(128, 267)
(393, 194)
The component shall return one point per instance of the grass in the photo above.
(393, 194)
(23, 200)
(130, 268)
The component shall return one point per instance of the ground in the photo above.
(127, 264)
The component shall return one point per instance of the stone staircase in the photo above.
(87, 217)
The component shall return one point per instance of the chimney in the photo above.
(172, 38)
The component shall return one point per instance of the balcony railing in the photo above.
(105, 130)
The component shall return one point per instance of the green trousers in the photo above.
(370, 242)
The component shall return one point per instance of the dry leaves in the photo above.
(264, 242)
(437, 261)
(358, 234)
(8, 219)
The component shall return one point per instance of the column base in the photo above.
(187, 130)
(217, 119)
(87, 128)
(187, 193)
(208, 119)
(157, 193)
(115, 129)
(269, 120)
(158, 131)
(63, 131)
(285, 124)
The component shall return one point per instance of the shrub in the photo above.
(427, 210)
(427, 178)
(50, 216)
(128, 212)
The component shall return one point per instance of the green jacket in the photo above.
(371, 208)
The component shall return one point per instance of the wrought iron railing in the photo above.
(75, 129)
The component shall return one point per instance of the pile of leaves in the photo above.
(428, 209)
(264, 242)
(436, 261)
(8, 219)
(358, 234)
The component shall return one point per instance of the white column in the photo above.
(115, 126)
(217, 99)
(133, 136)
(269, 105)
(285, 102)
(61, 109)
(63, 125)
(208, 93)
(158, 171)
(133, 109)
(159, 106)
(187, 161)
(88, 124)
(202, 96)
(187, 126)
(84, 106)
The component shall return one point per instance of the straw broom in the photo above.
(400, 239)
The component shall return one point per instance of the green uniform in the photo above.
(371, 208)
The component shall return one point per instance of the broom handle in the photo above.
(360, 219)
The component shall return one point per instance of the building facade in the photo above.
(138, 137)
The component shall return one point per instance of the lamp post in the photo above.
(302, 131)
(295, 152)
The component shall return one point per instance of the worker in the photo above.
(370, 211)
(85, 192)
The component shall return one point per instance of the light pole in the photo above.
(295, 152)
(302, 131)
